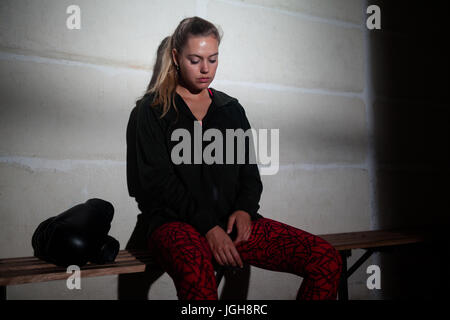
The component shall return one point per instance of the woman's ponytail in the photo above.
(165, 81)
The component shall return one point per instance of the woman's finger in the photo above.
(218, 258)
(224, 258)
(230, 258)
(248, 233)
(237, 257)
(230, 223)
(243, 234)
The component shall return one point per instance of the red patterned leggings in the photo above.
(185, 255)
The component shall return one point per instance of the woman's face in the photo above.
(198, 62)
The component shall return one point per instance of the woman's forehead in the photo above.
(201, 43)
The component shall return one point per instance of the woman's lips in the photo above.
(203, 79)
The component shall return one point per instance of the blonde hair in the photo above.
(165, 75)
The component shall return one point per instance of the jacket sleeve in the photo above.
(158, 178)
(250, 185)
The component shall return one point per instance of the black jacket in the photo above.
(203, 195)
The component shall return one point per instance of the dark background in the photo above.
(410, 70)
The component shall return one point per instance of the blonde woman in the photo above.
(204, 214)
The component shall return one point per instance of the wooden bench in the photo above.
(14, 271)
(371, 241)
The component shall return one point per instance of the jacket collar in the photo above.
(220, 98)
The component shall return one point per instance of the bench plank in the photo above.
(375, 238)
(31, 269)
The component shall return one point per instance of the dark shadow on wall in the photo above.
(410, 70)
(136, 286)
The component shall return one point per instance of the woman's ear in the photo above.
(175, 56)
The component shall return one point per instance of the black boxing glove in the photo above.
(77, 235)
(107, 252)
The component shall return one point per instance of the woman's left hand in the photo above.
(243, 224)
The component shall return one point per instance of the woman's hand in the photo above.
(222, 247)
(243, 224)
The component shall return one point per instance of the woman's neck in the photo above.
(191, 95)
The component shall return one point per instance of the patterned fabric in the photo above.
(185, 255)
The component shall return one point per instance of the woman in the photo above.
(206, 213)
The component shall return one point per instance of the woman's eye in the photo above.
(195, 62)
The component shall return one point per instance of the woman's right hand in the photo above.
(222, 247)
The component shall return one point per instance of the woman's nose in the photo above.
(204, 67)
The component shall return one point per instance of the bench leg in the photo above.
(360, 261)
(343, 286)
(220, 272)
(2, 292)
(346, 273)
(219, 275)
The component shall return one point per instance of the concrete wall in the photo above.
(298, 66)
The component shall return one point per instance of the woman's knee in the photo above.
(180, 244)
(327, 258)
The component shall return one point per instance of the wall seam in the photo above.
(37, 163)
(113, 70)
